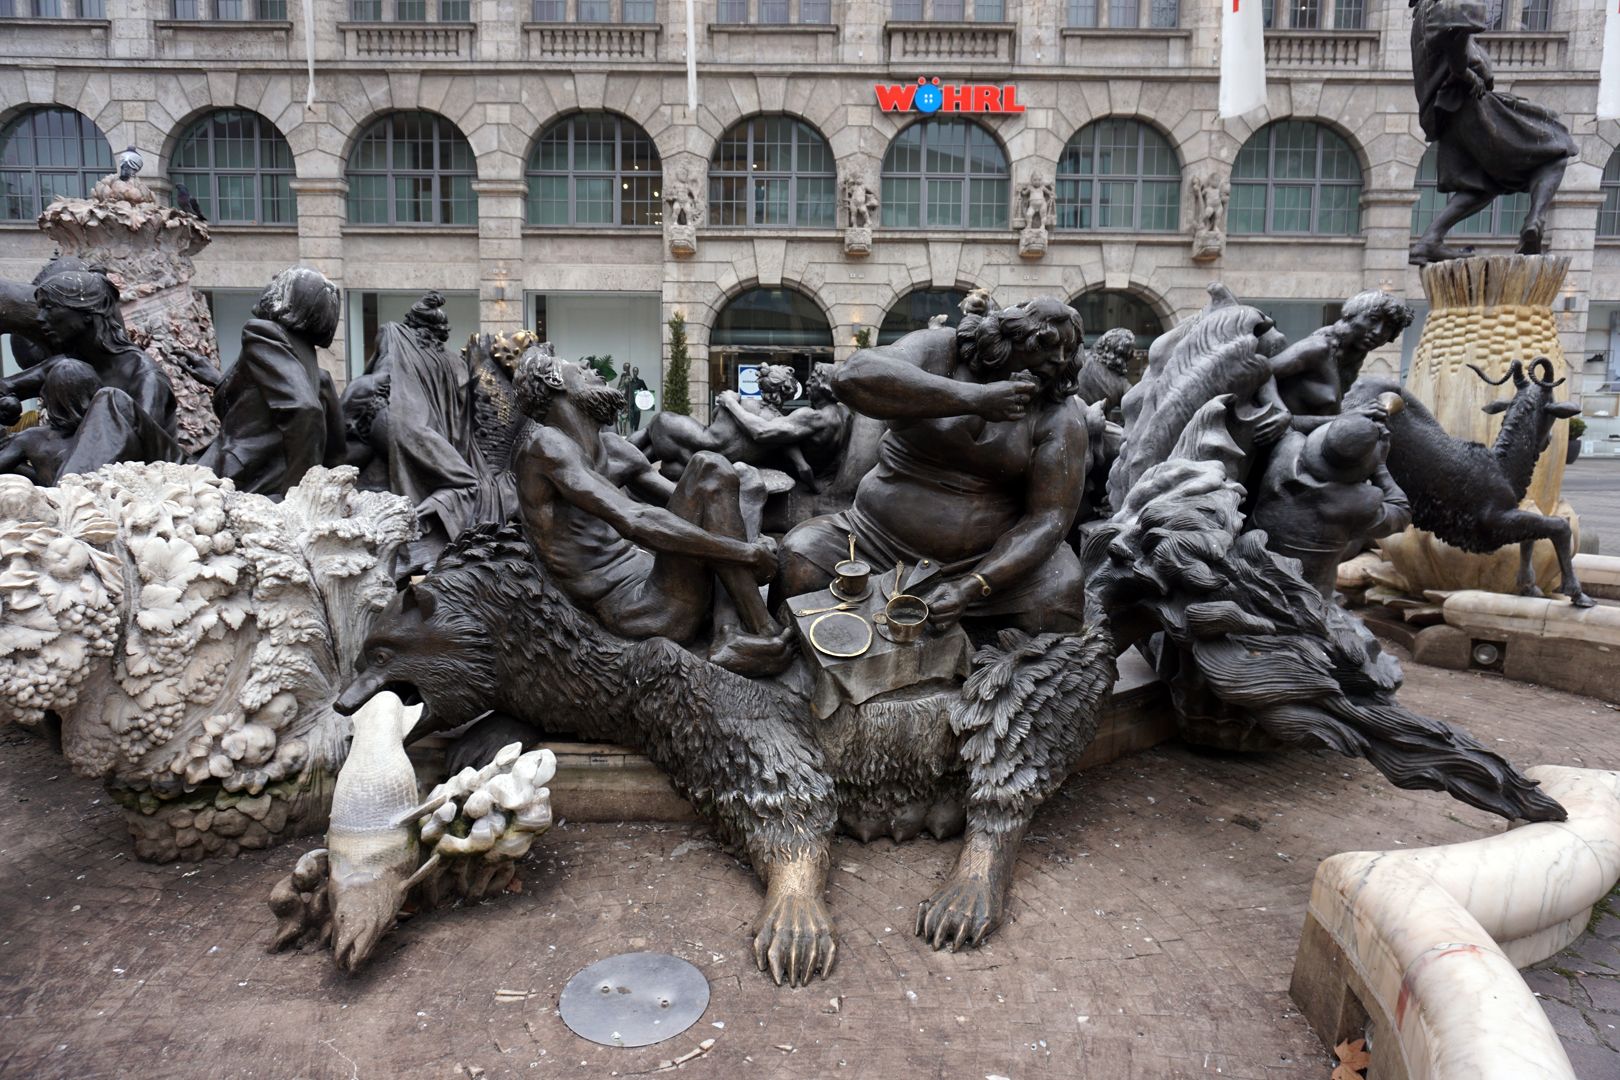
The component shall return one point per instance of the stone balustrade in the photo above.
(585, 41)
(987, 42)
(421, 41)
(1321, 49)
(1525, 51)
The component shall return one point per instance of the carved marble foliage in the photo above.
(191, 637)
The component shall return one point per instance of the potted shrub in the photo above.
(1577, 429)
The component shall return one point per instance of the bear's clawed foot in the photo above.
(964, 912)
(794, 939)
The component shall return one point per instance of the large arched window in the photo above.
(1119, 174)
(595, 168)
(45, 153)
(914, 310)
(773, 170)
(767, 326)
(1503, 217)
(945, 174)
(1609, 216)
(412, 168)
(1295, 176)
(238, 167)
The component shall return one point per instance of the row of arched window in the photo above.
(1292, 177)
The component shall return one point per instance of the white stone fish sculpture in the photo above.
(473, 827)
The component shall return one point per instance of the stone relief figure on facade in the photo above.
(1314, 372)
(861, 204)
(683, 213)
(1035, 201)
(1035, 197)
(279, 412)
(1211, 194)
(1489, 143)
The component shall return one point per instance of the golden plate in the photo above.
(841, 633)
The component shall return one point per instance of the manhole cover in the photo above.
(634, 999)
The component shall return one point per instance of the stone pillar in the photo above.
(500, 254)
(147, 249)
(1572, 223)
(322, 210)
(1386, 221)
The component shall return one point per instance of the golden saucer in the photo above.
(841, 634)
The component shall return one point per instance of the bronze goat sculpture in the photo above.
(1468, 494)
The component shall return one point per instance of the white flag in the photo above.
(1608, 107)
(1243, 57)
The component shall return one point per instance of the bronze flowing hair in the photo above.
(91, 292)
(987, 342)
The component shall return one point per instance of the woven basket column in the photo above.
(1487, 311)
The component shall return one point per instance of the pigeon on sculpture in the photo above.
(130, 162)
(188, 202)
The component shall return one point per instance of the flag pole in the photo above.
(692, 57)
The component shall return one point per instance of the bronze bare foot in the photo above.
(754, 654)
(793, 938)
(970, 905)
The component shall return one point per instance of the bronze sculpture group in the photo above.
(895, 609)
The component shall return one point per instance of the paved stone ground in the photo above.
(1580, 989)
(1592, 486)
(1156, 912)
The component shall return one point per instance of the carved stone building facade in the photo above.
(513, 154)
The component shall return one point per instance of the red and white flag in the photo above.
(1608, 105)
(1243, 57)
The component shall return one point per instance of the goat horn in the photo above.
(1543, 363)
(1495, 382)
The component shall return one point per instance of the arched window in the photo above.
(1609, 216)
(773, 170)
(945, 174)
(237, 165)
(1101, 310)
(45, 153)
(1295, 176)
(1503, 217)
(412, 168)
(1119, 174)
(767, 326)
(914, 310)
(595, 168)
